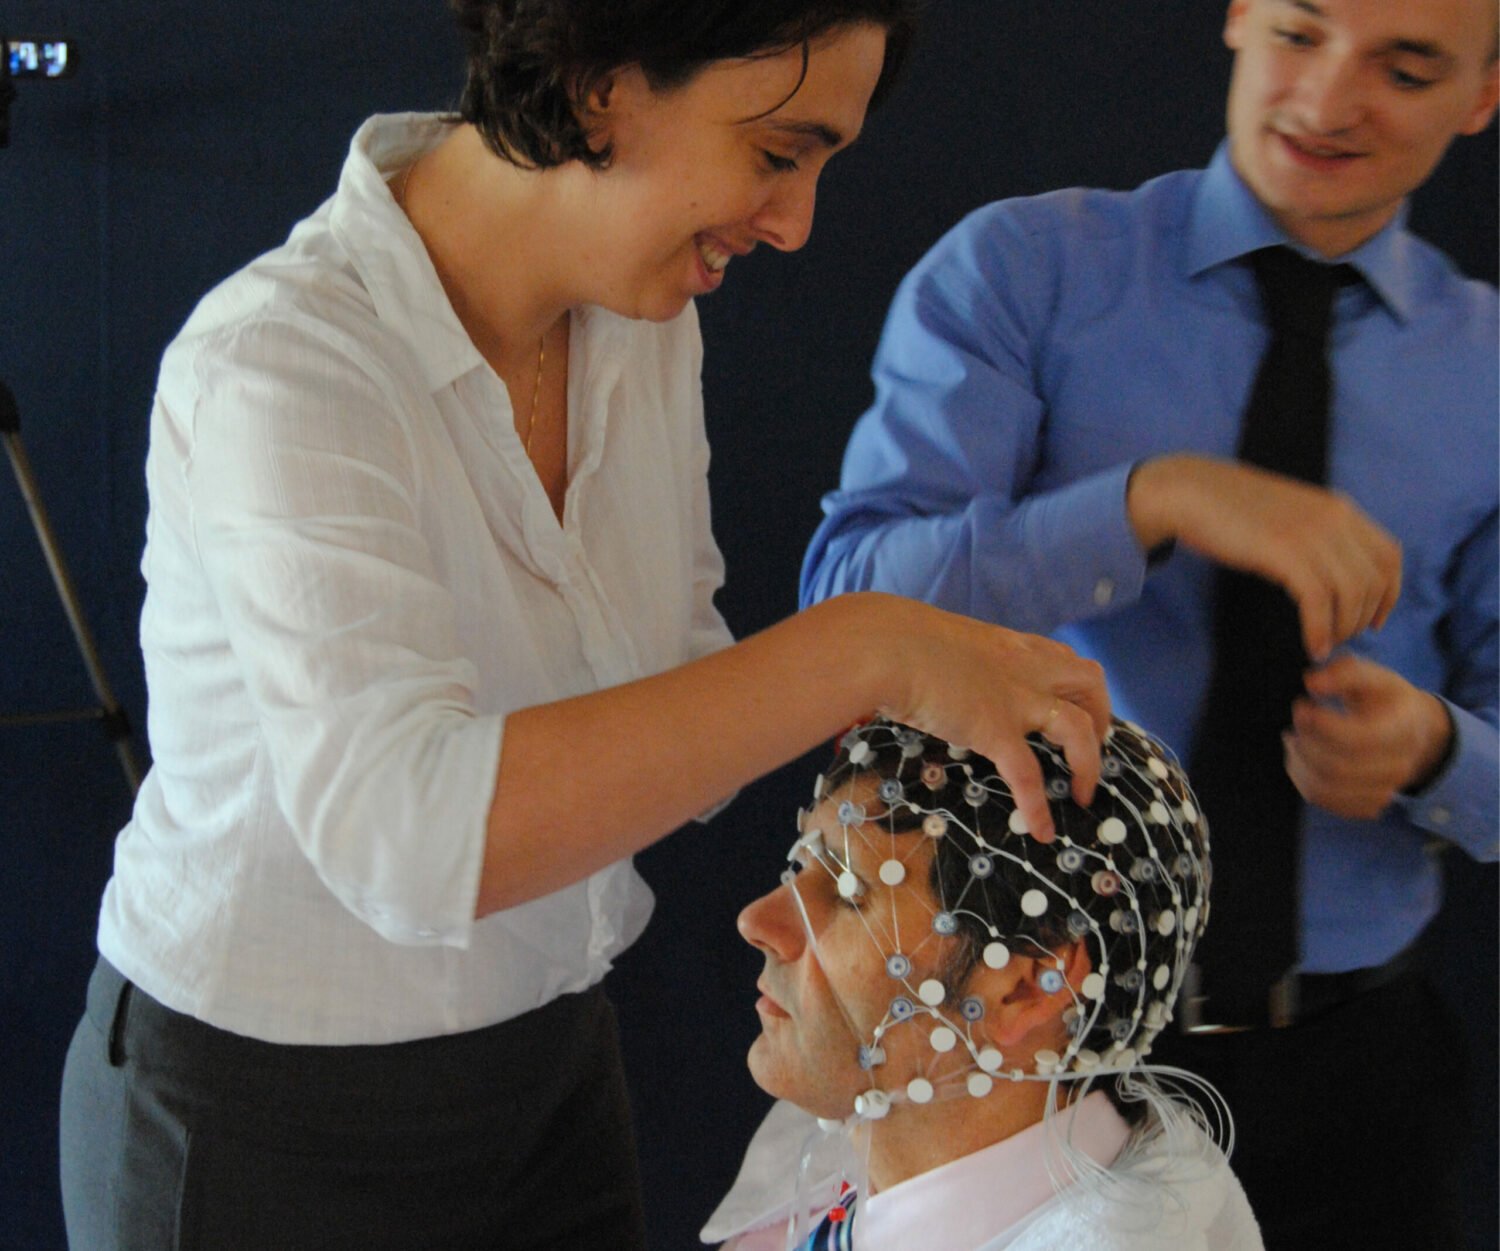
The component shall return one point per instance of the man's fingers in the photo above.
(1386, 554)
(1349, 598)
(1365, 562)
(1342, 569)
(1334, 762)
(1315, 612)
(1388, 600)
(1360, 797)
(1323, 723)
(1381, 595)
(1356, 683)
(1297, 768)
(1338, 741)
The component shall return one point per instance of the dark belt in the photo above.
(1296, 997)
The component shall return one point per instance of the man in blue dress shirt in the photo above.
(1059, 393)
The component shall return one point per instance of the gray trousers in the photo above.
(177, 1135)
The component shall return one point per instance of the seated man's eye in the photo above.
(851, 891)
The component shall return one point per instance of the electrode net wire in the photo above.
(1172, 1095)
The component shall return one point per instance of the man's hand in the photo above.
(1342, 570)
(1365, 734)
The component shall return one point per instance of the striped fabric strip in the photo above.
(836, 1231)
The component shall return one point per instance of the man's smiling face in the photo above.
(1339, 109)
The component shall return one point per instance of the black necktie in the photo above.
(1253, 810)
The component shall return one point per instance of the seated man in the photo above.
(966, 1010)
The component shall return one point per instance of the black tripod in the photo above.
(108, 711)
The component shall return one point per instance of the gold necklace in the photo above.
(398, 187)
(398, 193)
(536, 390)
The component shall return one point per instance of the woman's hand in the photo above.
(986, 687)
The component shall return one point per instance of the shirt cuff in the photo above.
(1459, 803)
(1084, 556)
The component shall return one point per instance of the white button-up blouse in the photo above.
(353, 574)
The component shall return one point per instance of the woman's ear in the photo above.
(608, 104)
(595, 104)
(1020, 997)
(594, 96)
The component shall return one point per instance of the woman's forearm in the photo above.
(586, 781)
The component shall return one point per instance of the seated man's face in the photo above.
(817, 1010)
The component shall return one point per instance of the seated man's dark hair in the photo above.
(1129, 874)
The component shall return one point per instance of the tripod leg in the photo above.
(116, 724)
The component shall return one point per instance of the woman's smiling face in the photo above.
(704, 171)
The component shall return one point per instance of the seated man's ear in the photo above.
(1016, 1001)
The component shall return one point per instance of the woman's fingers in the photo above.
(988, 688)
(1036, 685)
(1072, 729)
(1018, 768)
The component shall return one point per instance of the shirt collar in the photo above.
(387, 252)
(968, 1201)
(1226, 222)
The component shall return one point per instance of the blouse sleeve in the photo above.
(302, 489)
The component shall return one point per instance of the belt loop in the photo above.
(117, 1026)
(1282, 1002)
(1190, 1000)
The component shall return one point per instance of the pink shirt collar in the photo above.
(968, 1201)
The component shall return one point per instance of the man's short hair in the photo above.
(1128, 875)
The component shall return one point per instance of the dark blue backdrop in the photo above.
(194, 136)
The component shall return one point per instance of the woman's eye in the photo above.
(1294, 37)
(781, 164)
(1409, 82)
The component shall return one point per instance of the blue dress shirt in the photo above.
(1046, 345)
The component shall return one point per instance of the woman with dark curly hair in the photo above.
(431, 647)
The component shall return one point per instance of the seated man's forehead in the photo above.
(848, 825)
